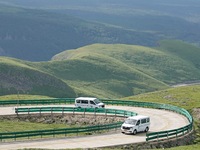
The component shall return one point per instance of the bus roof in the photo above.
(138, 117)
(85, 98)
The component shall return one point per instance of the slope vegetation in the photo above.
(161, 65)
(18, 78)
(102, 70)
(183, 50)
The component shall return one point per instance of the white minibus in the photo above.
(88, 102)
(136, 124)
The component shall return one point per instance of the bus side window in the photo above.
(143, 121)
(84, 102)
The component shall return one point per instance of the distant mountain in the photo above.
(177, 19)
(36, 30)
(37, 35)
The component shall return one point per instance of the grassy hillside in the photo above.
(105, 68)
(101, 70)
(188, 147)
(23, 97)
(185, 96)
(102, 77)
(161, 65)
(18, 78)
(183, 50)
(87, 77)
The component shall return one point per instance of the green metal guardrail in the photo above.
(53, 132)
(41, 133)
(38, 101)
(150, 136)
(168, 133)
(115, 112)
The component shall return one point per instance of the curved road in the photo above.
(160, 120)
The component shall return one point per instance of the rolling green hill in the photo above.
(183, 50)
(102, 70)
(161, 65)
(102, 76)
(18, 78)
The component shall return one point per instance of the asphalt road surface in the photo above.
(160, 120)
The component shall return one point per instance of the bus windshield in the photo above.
(130, 121)
(97, 101)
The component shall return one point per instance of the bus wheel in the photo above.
(147, 129)
(135, 132)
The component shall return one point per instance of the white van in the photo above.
(88, 102)
(136, 124)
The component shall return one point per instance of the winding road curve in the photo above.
(160, 120)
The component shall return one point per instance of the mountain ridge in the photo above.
(37, 35)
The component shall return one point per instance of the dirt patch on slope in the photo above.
(68, 119)
(196, 113)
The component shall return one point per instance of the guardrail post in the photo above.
(62, 111)
(116, 128)
(40, 111)
(167, 135)
(124, 113)
(98, 128)
(16, 111)
(157, 137)
(95, 112)
(28, 111)
(84, 112)
(65, 132)
(41, 135)
(51, 111)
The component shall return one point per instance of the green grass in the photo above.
(183, 50)
(188, 147)
(162, 65)
(12, 126)
(186, 97)
(97, 71)
(18, 77)
(23, 97)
